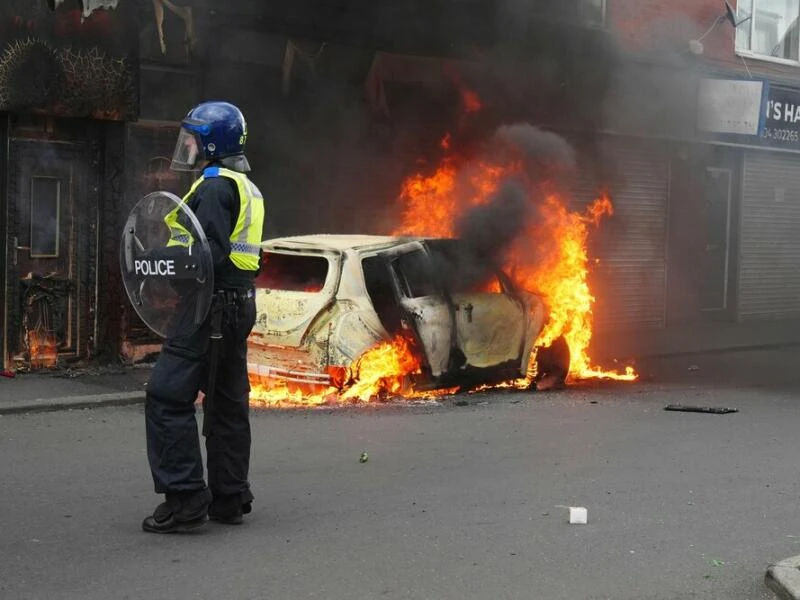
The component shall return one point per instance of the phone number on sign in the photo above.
(782, 135)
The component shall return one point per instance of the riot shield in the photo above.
(166, 264)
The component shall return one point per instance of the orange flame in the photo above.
(384, 370)
(561, 278)
(43, 349)
(381, 373)
(471, 101)
(551, 259)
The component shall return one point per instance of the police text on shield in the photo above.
(154, 267)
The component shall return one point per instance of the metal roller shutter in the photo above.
(769, 262)
(629, 283)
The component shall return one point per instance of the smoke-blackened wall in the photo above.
(333, 133)
(325, 151)
(325, 160)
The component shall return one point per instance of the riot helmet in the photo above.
(211, 131)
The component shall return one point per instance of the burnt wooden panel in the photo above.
(55, 297)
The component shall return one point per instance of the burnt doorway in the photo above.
(52, 224)
(702, 235)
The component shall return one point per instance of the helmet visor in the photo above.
(188, 152)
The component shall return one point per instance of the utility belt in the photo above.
(234, 296)
(226, 303)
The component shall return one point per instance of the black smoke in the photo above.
(487, 231)
(537, 162)
(329, 161)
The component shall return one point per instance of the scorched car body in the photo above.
(323, 300)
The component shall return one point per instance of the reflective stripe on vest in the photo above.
(245, 238)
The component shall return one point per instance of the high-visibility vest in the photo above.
(246, 235)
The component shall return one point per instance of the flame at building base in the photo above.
(561, 278)
(42, 348)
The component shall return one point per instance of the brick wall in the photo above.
(658, 27)
(653, 25)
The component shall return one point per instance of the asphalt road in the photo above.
(455, 502)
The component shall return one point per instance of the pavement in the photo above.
(72, 388)
(79, 388)
(700, 338)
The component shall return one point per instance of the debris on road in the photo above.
(701, 409)
(694, 368)
(578, 515)
(364, 457)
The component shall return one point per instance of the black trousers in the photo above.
(173, 444)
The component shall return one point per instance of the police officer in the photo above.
(230, 209)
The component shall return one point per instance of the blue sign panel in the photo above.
(781, 113)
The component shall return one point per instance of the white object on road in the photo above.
(578, 515)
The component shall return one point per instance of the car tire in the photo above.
(552, 363)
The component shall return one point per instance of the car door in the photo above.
(490, 323)
(423, 305)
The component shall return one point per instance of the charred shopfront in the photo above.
(68, 82)
(90, 95)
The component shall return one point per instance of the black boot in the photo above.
(230, 509)
(182, 511)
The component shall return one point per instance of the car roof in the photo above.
(336, 242)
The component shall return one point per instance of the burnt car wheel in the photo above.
(552, 364)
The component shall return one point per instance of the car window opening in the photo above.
(292, 273)
(378, 280)
(414, 275)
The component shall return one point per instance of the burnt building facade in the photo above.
(344, 99)
(68, 83)
(79, 147)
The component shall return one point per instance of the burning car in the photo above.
(324, 300)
